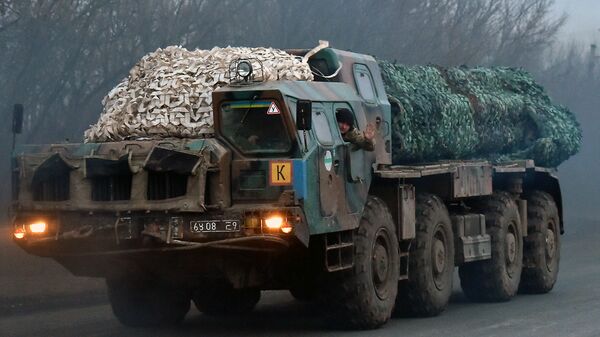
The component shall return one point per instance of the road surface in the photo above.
(571, 309)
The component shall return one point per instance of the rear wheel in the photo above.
(496, 279)
(140, 303)
(223, 299)
(431, 261)
(542, 244)
(364, 297)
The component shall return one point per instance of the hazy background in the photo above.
(60, 57)
(583, 18)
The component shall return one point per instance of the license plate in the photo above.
(214, 226)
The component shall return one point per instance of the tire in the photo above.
(143, 303)
(364, 297)
(496, 279)
(222, 299)
(303, 293)
(431, 261)
(542, 245)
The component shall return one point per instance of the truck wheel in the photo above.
(496, 279)
(304, 294)
(542, 245)
(431, 261)
(146, 303)
(364, 297)
(223, 299)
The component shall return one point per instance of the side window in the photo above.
(364, 82)
(321, 127)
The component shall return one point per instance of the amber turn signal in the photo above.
(19, 233)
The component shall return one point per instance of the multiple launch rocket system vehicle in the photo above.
(276, 199)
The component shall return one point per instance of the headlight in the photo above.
(274, 222)
(244, 68)
(278, 222)
(38, 227)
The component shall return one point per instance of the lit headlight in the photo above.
(244, 68)
(39, 227)
(274, 222)
(278, 222)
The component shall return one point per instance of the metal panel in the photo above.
(523, 213)
(473, 248)
(470, 181)
(471, 241)
(407, 210)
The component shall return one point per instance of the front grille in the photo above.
(55, 188)
(110, 179)
(51, 180)
(111, 188)
(166, 185)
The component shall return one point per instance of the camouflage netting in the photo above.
(467, 113)
(168, 93)
(441, 113)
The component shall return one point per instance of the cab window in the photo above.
(364, 82)
(255, 126)
(321, 127)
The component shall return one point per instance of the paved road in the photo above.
(571, 309)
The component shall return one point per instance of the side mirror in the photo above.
(17, 123)
(304, 115)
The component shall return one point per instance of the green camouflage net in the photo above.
(499, 114)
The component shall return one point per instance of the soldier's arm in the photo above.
(358, 138)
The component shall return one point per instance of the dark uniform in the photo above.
(358, 140)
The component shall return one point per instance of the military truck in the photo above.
(275, 199)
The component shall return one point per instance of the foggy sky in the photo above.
(583, 20)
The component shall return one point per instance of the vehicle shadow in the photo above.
(277, 314)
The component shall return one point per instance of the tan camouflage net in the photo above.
(168, 93)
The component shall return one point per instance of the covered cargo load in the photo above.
(498, 114)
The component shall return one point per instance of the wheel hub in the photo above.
(439, 256)
(550, 244)
(380, 263)
(511, 247)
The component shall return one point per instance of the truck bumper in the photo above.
(169, 247)
(87, 234)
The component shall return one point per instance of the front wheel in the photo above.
(142, 303)
(364, 297)
(222, 299)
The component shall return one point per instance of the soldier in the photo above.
(359, 140)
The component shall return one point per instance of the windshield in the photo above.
(255, 126)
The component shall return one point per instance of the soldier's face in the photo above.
(343, 127)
